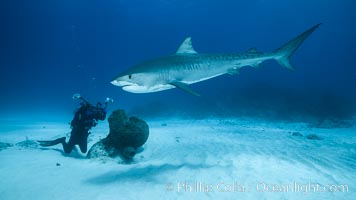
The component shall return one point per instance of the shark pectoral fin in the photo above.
(256, 65)
(184, 87)
(233, 71)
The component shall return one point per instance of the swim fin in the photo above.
(52, 142)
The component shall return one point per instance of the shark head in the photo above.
(152, 76)
(131, 82)
(140, 82)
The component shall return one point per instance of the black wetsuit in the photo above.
(86, 117)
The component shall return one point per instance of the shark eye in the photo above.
(130, 76)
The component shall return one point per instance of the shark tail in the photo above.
(284, 53)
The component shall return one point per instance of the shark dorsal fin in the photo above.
(186, 47)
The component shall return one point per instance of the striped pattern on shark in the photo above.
(186, 66)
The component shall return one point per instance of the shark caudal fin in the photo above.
(284, 53)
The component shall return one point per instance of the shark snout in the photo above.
(120, 83)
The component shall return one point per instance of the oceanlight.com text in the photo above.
(261, 187)
(303, 188)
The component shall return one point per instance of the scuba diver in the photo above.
(86, 117)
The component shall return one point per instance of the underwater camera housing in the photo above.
(109, 100)
(100, 113)
(99, 110)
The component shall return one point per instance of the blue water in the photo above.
(52, 49)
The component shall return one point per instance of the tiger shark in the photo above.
(186, 66)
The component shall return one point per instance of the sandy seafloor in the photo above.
(240, 158)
